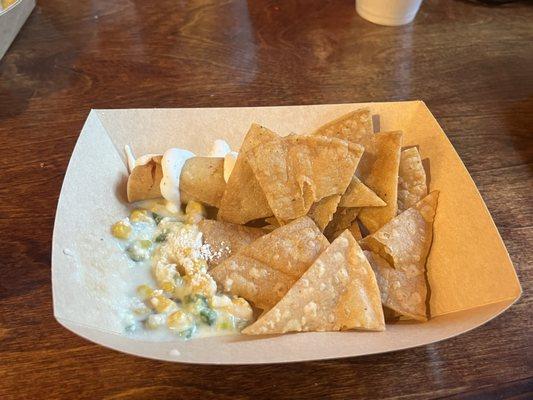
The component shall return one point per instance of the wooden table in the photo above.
(471, 64)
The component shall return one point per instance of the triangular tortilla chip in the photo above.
(342, 219)
(356, 127)
(202, 179)
(401, 291)
(263, 271)
(143, 182)
(359, 195)
(322, 212)
(338, 292)
(225, 238)
(355, 230)
(297, 171)
(243, 198)
(403, 244)
(412, 186)
(273, 221)
(379, 171)
(391, 316)
(406, 239)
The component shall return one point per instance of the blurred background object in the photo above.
(388, 12)
(13, 14)
(401, 12)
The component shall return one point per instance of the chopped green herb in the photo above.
(157, 218)
(136, 253)
(161, 237)
(200, 299)
(208, 315)
(130, 328)
(187, 333)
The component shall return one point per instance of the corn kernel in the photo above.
(181, 290)
(201, 284)
(241, 309)
(195, 212)
(154, 321)
(220, 301)
(139, 215)
(168, 286)
(145, 244)
(141, 310)
(179, 321)
(121, 230)
(194, 207)
(145, 291)
(225, 323)
(161, 303)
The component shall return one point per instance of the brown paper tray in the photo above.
(471, 276)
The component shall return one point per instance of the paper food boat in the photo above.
(11, 20)
(470, 273)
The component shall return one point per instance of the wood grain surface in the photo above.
(471, 64)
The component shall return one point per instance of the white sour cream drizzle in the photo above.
(172, 163)
(135, 162)
(221, 149)
(130, 158)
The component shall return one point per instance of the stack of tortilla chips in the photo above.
(347, 225)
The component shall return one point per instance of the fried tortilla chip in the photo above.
(401, 291)
(406, 239)
(202, 179)
(355, 127)
(378, 169)
(391, 316)
(403, 244)
(243, 198)
(359, 195)
(297, 171)
(273, 221)
(263, 271)
(342, 219)
(338, 292)
(143, 182)
(322, 212)
(355, 230)
(412, 186)
(225, 238)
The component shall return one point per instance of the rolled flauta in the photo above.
(202, 179)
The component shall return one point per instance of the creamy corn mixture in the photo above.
(184, 299)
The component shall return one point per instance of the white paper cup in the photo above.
(388, 12)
